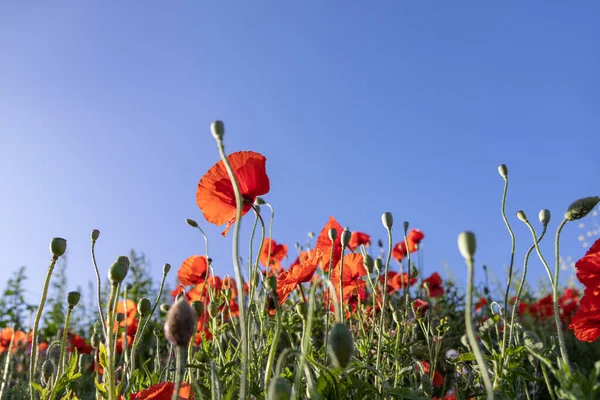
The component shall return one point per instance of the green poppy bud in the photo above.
(503, 171)
(368, 263)
(272, 282)
(166, 268)
(191, 222)
(378, 264)
(302, 310)
(467, 244)
(345, 239)
(341, 344)
(387, 219)
(73, 298)
(581, 208)
(164, 308)
(544, 217)
(58, 247)
(118, 270)
(217, 128)
(259, 201)
(198, 307)
(95, 340)
(95, 235)
(332, 233)
(279, 389)
(47, 371)
(144, 306)
(213, 309)
(521, 215)
(180, 323)
(120, 317)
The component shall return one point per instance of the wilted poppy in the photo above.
(215, 195)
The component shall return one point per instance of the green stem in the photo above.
(99, 288)
(7, 363)
(510, 268)
(305, 339)
(384, 298)
(561, 339)
(62, 344)
(342, 286)
(36, 323)
(110, 376)
(237, 268)
(328, 306)
(273, 349)
(471, 334)
(180, 354)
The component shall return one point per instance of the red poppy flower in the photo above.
(274, 258)
(586, 322)
(299, 273)
(354, 269)
(438, 379)
(215, 195)
(413, 238)
(543, 308)
(434, 285)
(193, 270)
(396, 281)
(420, 306)
(164, 391)
(357, 239)
(480, 304)
(324, 243)
(588, 268)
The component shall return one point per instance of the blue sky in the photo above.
(405, 107)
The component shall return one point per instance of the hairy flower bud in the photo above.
(58, 247)
(180, 323)
(345, 239)
(166, 268)
(118, 270)
(467, 244)
(544, 217)
(332, 233)
(217, 128)
(378, 264)
(279, 389)
(144, 306)
(503, 171)
(368, 263)
(95, 340)
(73, 298)
(580, 208)
(213, 309)
(47, 371)
(387, 219)
(260, 201)
(84, 361)
(521, 215)
(191, 222)
(341, 344)
(95, 235)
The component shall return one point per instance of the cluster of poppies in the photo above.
(586, 321)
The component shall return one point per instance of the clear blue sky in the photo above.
(393, 106)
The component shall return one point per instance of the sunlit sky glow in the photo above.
(359, 108)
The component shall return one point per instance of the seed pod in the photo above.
(345, 239)
(144, 306)
(180, 323)
(368, 263)
(58, 246)
(581, 208)
(73, 298)
(341, 344)
(118, 270)
(332, 233)
(279, 389)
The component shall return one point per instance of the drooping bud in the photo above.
(217, 128)
(58, 247)
(73, 298)
(521, 215)
(580, 208)
(503, 171)
(166, 268)
(341, 344)
(368, 263)
(180, 323)
(467, 244)
(95, 340)
(260, 201)
(144, 306)
(378, 264)
(332, 233)
(118, 270)
(345, 239)
(387, 219)
(95, 235)
(198, 306)
(414, 272)
(213, 309)
(397, 316)
(191, 222)
(226, 294)
(47, 371)
(164, 308)
(279, 389)
(544, 217)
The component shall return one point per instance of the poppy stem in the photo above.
(236, 265)
(327, 311)
(561, 339)
(384, 298)
(7, 361)
(99, 288)
(342, 285)
(510, 267)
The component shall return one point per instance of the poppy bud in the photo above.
(144, 306)
(387, 220)
(414, 272)
(217, 128)
(180, 323)
(213, 309)
(166, 268)
(368, 263)
(191, 222)
(198, 307)
(118, 270)
(378, 264)
(341, 344)
(345, 239)
(302, 310)
(332, 234)
(311, 235)
(521, 215)
(95, 235)
(260, 201)
(120, 317)
(73, 298)
(467, 244)
(581, 208)
(379, 243)
(544, 217)
(95, 340)
(47, 371)
(58, 247)
(397, 315)
(279, 389)
(503, 171)
(405, 226)
(164, 308)
(272, 282)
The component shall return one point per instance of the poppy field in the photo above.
(341, 317)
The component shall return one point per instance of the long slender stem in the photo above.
(561, 339)
(179, 356)
(237, 268)
(384, 298)
(471, 334)
(110, 376)
(99, 288)
(510, 267)
(328, 306)
(7, 363)
(36, 324)
(305, 339)
(342, 286)
(61, 359)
